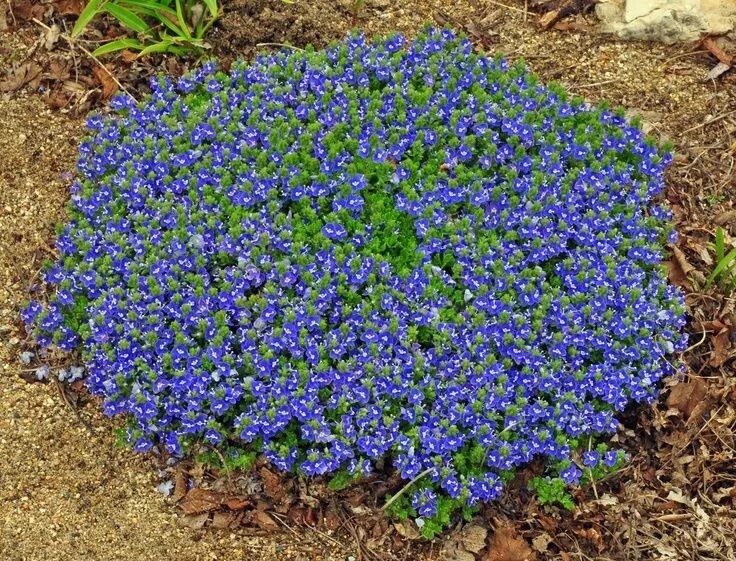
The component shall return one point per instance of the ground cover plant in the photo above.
(401, 251)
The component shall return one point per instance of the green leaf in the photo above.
(128, 18)
(118, 45)
(212, 6)
(726, 266)
(182, 21)
(89, 12)
(154, 7)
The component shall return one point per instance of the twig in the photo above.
(513, 8)
(63, 395)
(404, 489)
(713, 120)
(73, 43)
(12, 15)
(603, 83)
(280, 45)
(682, 55)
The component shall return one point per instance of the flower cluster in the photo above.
(402, 251)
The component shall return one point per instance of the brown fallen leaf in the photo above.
(725, 218)
(265, 521)
(715, 49)
(57, 99)
(273, 485)
(236, 502)
(180, 485)
(685, 396)
(27, 9)
(407, 529)
(721, 346)
(453, 551)
(200, 500)
(193, 521)
(676, 275)
(224, 520)
(105, 79)
(51, 37)
(473, 537)
(541, 542)
(558, 9)
(506, 545)
(69, 7)
(22, 75)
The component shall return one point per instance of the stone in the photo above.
(667, 21)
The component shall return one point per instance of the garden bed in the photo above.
(674, 496)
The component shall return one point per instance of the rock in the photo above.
(667, 21)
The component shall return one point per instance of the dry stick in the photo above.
(404, 488)
(280, 45)
(713, 120)
(513, 8)
(73, 43)
(62, 393)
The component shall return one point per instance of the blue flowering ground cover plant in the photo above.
(396, 251)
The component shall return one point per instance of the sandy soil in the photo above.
(66, 494)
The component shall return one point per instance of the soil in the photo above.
(67, 494)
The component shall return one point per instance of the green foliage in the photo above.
(234, 459)
(552, 490)
(174, 26)
(724, 272)
(342, 480)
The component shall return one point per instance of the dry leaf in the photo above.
(193, 521)
(223, 520)
(21, 76)
(710, 44)
(70, 7)
(685, 396)
(51, 37)
(27, 9)
(272, 485)
(128, 56)
(201, 500)
(725, 218)
(407, 529)
(452, 551)
(721, 345)
(473, 537)
(676, 275)
(506, 545)
(180, 485)
(265, 521)
(57, 100)
(236, 502)
(105, 79)
(541, 542)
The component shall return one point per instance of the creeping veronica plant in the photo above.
(393, 250)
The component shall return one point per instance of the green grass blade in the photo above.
(118, 45)
(182, 21)
(726, 263)
(151, 7)
(86, 15)
(127, 17)
(719, 244)
(160, 47)
(212, 6)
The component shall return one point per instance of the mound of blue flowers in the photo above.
(401, 252)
